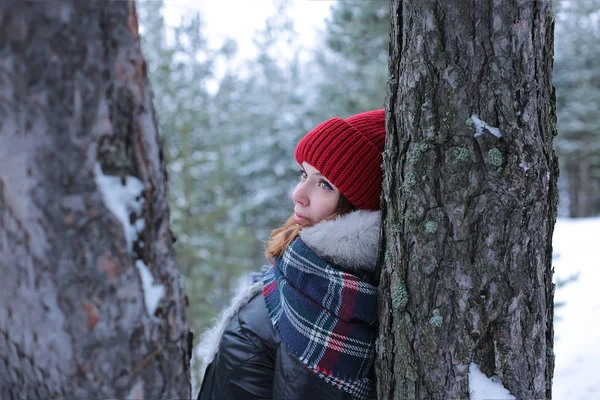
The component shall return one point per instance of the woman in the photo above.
(307, 330)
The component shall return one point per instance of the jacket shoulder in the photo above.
(255, 323)
(243, 365)
(291, 379)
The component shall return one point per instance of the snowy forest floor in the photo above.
(577, 314)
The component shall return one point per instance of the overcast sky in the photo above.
(239, 19)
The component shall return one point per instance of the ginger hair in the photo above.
(280, 238)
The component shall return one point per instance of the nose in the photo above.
(300, 196)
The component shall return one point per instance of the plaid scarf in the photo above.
(324, 317)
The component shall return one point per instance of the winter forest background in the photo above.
(230, 126)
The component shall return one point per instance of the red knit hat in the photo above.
(348, 153)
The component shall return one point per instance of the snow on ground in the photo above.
(577, 322)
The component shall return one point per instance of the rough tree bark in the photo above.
(77, 277)
(470, 199)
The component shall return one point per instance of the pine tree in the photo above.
(351, 71)
(213, 246)
(273, 115)
(210, 243)
(92, 305)
(470, 200)
(577, 82)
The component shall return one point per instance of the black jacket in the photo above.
(250, 361)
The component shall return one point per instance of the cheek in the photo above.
(333, 204)
(328, 206)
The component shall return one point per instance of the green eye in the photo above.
(325, 185)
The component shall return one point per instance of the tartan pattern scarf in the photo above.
(326, 318)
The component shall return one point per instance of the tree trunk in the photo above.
(572, 171)
(470, 199)
(92, 305)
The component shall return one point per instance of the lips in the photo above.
(300, 219)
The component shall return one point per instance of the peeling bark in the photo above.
(470, 199)
(75, 102)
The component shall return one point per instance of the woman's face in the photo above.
(315, 197)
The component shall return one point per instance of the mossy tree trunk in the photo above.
(470, 199)
(79, 270)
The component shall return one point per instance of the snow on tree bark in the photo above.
(470, 199)
(76, 108)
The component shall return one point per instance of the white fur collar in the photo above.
(350, 241)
